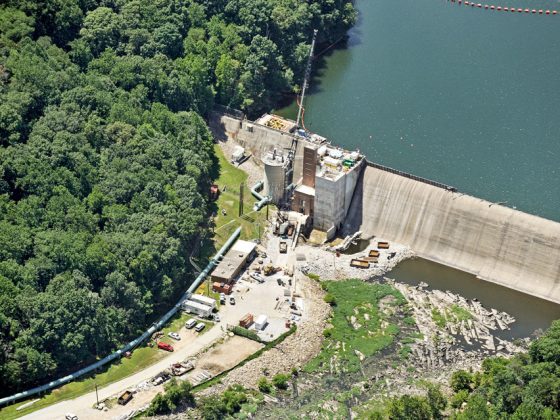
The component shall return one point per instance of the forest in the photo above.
(106, 158)
(526, 386)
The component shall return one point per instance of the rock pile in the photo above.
(467, 334)
(329, 266)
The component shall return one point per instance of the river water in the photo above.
(467, 97)
(531, 313)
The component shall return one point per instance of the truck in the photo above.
(179, 369)
(358, 263)
(164, 346)
(283, 247)
(125, 398)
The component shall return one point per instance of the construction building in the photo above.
(237, 257)
(303, 171)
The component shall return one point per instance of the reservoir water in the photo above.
(467, 97)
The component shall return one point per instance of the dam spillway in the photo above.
(495, 243)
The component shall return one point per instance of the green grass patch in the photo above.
(460, 314)
(439, 318)
(314, 276)
(409, 321)
(405, 351)
(368, 334)
(252, 223)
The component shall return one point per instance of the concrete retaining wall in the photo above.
(496, 243)
(255, 138)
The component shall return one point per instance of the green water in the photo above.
(467, 97)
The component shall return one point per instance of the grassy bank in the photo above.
(359, 328)
(252, 223)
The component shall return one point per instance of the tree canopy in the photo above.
(105, 158)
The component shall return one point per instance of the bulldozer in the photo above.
(269, 269)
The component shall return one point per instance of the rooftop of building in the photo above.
(289, 126)
(304, 189)
(243, 246)
(335, 162)
(277, 122)
(233, 260)
(274, 158)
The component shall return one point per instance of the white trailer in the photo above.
(197, 308)
(261, 322)
(205, 300)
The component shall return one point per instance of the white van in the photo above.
(190, 323)
(200, 326)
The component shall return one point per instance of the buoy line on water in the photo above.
(505, 8)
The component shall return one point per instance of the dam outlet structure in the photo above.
(343, 193)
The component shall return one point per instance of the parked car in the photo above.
(174, 336)
(232, 300)
(222, 298)
(200, 326)
(70, 416)
(217, 318)
(257, 277)
(190, 323)
(164, 346)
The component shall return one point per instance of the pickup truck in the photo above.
(257, 277)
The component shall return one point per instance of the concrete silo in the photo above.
(275, 168)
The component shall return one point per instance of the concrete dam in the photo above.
(493, 242)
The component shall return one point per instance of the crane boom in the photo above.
(306, 78)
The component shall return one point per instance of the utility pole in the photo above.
(306, 78)
(96, 395)
(241, 191)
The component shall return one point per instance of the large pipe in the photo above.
(156, 326)
(263, 201)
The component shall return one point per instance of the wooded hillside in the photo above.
(106, 159)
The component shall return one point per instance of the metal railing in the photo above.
(414, 177)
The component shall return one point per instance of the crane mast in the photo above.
(306, 78)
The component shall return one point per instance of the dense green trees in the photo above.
(526, 386)
(105, 159)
